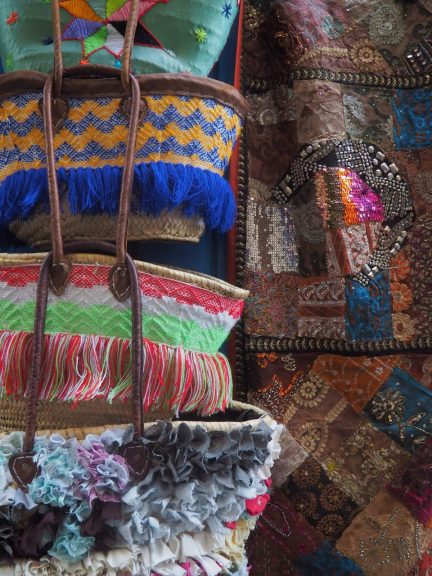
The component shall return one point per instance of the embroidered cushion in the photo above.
(172, 36)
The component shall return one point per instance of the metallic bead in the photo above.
(380, 155)
(378, 172)
(371, 149)
(385, 167)
(390, 176)
(394, 168)
(375, 162)
(309, 149)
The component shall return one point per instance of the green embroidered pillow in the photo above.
(172, 35)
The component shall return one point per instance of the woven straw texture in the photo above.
(196, 278)
(167, 226)
(54, 415)
(78, 422)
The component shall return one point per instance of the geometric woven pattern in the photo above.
(177, 129)
(184, 145)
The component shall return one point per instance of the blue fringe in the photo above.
(157, 186)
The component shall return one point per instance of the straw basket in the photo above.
(170, 226)
(92, 329)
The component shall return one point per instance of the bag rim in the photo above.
(94, 84)
(198, 279)
(80, 433)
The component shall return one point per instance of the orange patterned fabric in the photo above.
(356, 378)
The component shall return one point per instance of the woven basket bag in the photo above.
(187, 129)
(167, 498)
(185, 318)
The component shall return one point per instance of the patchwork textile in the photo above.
(334, 244)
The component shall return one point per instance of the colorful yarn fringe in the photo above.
(158, 186)
(175, 313)
(79, 368)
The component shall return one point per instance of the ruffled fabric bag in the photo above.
(187, 129)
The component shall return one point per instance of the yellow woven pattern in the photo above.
(178, 130)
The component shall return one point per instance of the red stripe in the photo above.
(88, 276)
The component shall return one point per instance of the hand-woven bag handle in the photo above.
(60, 268)
(21, 465)
(131, 27)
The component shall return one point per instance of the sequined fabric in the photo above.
(334, 244)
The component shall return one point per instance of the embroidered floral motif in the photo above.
(365, 57)
(364, 462)
(324, 505)
(227, 10)
(386, 25)
(401, 409)
(388, 406)
(200, 35)
(404, 327)
(12, 18)
(401, 296)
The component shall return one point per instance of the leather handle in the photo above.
(131, 27)
(60, 269)
(22, 467)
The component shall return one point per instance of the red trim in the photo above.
(233, 178)
(91, 275)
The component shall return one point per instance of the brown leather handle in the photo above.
(22, 466)
(131, 26)
(60, 268)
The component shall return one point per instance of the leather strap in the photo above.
(21, 466)
(60, 269)
(129, 37)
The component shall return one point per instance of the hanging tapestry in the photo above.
(334, 243)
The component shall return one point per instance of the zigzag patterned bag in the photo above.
(187, 129)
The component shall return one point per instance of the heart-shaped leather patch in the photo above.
(60, 110)
(23, 469)
(138, 458)
(119, 282)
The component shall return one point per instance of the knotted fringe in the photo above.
(158, 186)
(77, 368)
